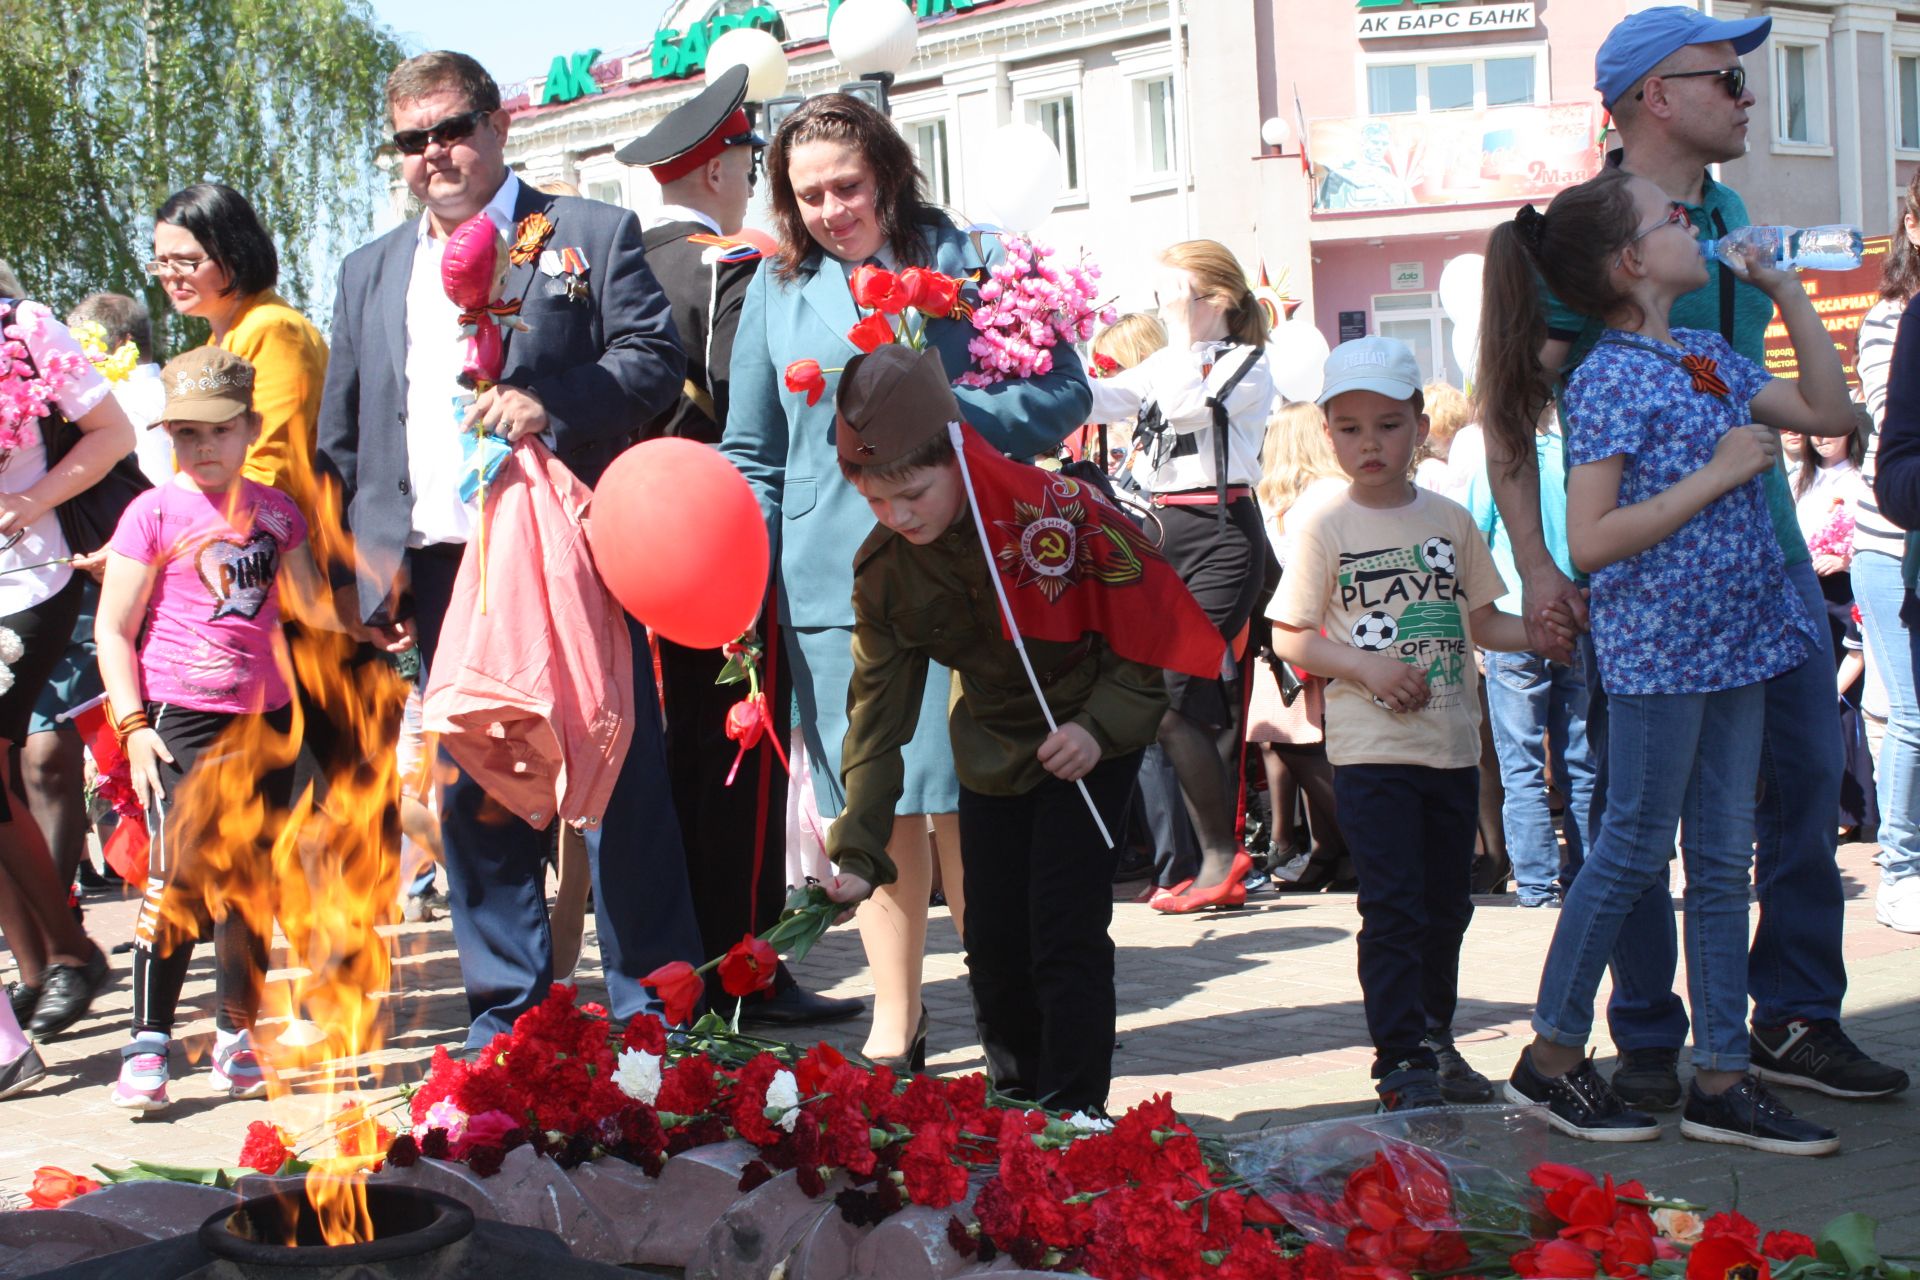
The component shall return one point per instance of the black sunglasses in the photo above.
(1732, 79)
(413, 142)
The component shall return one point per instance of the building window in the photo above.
(1407, 87)
(607, 192)
(1418, 320)
(1907, 77)
(929, 141)
(1800, 84)
(1154, 148)
(1055, 116)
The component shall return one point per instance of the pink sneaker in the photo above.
(142, 1085)
(237, 1072)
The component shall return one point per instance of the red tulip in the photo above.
(679, 989)
(878, 289)
(53, 1187)
(747, 720)
(805, 375)
(748, 967)
(929, 292)
(871, 334)
(1727, 1257)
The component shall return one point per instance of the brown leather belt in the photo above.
(1203, 497)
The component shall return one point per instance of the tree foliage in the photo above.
(113, 105)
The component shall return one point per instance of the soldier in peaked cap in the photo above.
(703, 156)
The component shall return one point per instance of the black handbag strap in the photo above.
(1726, 283)
(1217, 402)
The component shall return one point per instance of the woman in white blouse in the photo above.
(1201, 404)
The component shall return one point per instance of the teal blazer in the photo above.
(785, 448)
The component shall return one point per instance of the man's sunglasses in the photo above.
(413, 142)
(1732, 79)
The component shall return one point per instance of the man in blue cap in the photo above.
(1672, 79)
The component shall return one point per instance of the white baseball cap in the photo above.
(1384, 366)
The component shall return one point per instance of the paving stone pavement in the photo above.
(1251, 1019)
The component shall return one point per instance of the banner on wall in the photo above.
(1372, 163)
(1842, 298)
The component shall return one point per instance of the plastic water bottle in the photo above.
(1834, 248)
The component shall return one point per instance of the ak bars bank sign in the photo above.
(1429, 18)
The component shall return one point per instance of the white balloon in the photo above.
(1029, 177)
(873, 36)
(1466, 349)
(1460, 287)
(1297, 358)
(759, 53)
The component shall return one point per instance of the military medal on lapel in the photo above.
(573, 274)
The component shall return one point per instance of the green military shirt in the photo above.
(915, 604)
(1720, 210)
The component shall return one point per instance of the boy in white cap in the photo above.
(1386, 593)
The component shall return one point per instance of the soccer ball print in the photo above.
(1438, 553)
(1375, 630)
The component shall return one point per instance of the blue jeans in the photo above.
(1716, 737)
(1528, 700)
(1795, 968)
(1879, 592)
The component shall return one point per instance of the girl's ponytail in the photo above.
(1510, 388)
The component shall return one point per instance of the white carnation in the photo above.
(1089, 1124)
(11, 650)
(638, 1075)
(783, 1096)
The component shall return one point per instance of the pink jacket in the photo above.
(533, 695)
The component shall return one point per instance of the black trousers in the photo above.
(1039, 883)
(1224, 569)
(1410, 831)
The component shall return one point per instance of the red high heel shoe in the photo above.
(1231, 892)
(1167, 893)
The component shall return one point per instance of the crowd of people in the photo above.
(1422, 642)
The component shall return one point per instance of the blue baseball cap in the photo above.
(1641, 41)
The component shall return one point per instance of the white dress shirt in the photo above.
(436, 402)
(1180, 382)
(143, 398)
(680, 213)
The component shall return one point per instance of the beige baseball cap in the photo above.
(207, 384)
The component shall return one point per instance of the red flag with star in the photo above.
(1071, 562)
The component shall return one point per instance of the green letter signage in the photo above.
(570, 77)
(681, 53)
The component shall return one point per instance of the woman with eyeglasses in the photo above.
(845, 191)
(45, 384)
(218, 264)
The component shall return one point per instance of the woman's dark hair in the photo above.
(229, 230)
(899, 204)
(1571, 247)
(1900, 279)
(1856, 450)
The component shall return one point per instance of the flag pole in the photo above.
(1006, 613)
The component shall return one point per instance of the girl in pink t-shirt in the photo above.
(192, 580)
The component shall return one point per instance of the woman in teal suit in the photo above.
(844, 191)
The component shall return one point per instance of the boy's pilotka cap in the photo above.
(890, 403)
(207, 384)
(1382, 365)
(1642, 41)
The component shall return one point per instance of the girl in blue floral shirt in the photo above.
(1668, 432)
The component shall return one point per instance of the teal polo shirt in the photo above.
(1726, 305)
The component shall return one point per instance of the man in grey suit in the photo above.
(597, 360)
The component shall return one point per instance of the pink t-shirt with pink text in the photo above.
(213, 621)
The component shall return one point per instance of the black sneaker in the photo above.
(1410, 1087)
(1648, 1079)
(1579, 1103)
(1459, 1082)
(1748, 1116)
(1816, 1054)
(21, 1073)
(66, 992)
(22, 996)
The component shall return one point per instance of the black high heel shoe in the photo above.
(914, 1060)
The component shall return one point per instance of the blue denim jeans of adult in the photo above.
(1529, 702)
(1795, 967)
(1675, 759)
(1878, 590)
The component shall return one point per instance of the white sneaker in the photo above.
(1897, 905)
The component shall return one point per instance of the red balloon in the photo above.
(679, 539)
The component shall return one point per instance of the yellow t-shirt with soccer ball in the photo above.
(1402, 582)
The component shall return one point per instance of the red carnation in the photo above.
(1730, 1223)
(265, 1148)
(878, 289)
(872, 333)
(1782, 1246)
(929, 292)
(646, 1034)
(1727, 1257)
(805, 376)
(748, 967)
(679, 989)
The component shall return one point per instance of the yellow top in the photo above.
(289, 359)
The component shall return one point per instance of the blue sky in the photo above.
(516, 40)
